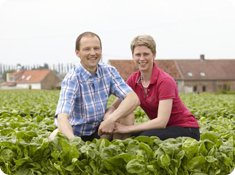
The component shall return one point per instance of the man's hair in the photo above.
(143, 40)
(78, 40)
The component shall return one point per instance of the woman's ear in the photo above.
(154, 56)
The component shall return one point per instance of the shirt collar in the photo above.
(86, 74)
(155, 73)
(153, 76)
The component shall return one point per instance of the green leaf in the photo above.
(210, 159)
(146, 148)
(190, 146)
(135, 166)
(121, 159)
(145, 139)
(8, 155)
(196, 163)
(7, 131)
(165, 160)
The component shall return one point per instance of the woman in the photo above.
(158, 94)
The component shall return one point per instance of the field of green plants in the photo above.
(26, 121)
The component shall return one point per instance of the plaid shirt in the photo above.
(84, 96)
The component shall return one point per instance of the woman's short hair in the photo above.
(143, 40)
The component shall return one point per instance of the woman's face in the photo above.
(143, 58)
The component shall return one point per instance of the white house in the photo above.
(31, 79)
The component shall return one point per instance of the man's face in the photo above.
(90, 53)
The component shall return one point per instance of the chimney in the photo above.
(18, 68)
(202, 57)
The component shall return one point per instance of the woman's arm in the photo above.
(164, 111)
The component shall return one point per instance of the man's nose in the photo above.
(92, 52)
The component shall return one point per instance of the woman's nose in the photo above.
(141, 57)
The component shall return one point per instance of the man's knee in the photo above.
(128, 120)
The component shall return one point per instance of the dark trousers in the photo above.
(91, 137)
(171, 132)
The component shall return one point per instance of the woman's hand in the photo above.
(123, 129)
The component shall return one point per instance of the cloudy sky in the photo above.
(44, 31)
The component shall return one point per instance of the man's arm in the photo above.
(64, 126)
(118, 110)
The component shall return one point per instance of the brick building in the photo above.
(191, 75)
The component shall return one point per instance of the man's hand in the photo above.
(106, 127)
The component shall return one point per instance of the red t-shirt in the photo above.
(162, 86)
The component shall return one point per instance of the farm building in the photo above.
(191, 75)
(31, 79)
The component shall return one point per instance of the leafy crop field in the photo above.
(26, 121)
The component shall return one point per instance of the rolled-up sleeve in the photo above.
(119, 87)
(68, 92)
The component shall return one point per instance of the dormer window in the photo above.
(23, 77)
(28, 77)
(202, 74)
(190, 74)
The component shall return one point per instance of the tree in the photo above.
(4, 75)
(46, 66)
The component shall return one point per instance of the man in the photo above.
(81, 109)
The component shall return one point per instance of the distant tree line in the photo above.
(59, 68)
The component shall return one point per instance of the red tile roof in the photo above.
(127, 67)
(16, 73)
(31, 76)
(220, 69)
(8, 84)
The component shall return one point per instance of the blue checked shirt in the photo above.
(84, 96)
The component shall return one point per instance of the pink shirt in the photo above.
(162, 86)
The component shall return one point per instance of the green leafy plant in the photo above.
(26, 121)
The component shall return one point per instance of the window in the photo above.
(226, 87)
(190, 74)
(11, 78)
(194, 88)
(202, 74)
(203, 88)
(23, 77)
(28, 77)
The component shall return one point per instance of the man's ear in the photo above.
(77, 53)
